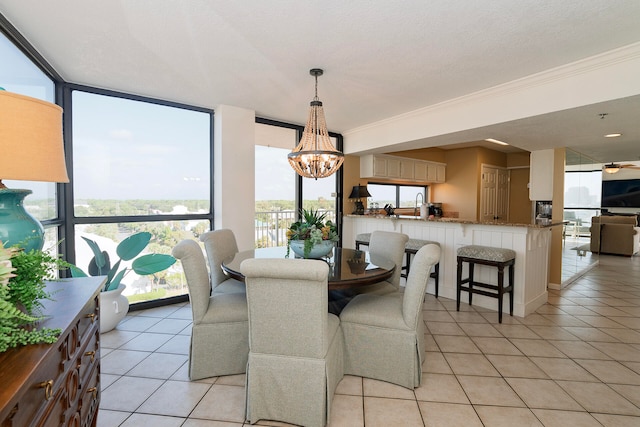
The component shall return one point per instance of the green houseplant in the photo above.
(113, 305)
(22, 286)
(312, 230)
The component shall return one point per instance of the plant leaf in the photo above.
(115, 282)
(97, 253)
(95, 269)
(111, 274)
(152, 263)
(76, 272)
(131, 247)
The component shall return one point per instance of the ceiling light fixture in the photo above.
(495, 141)
(612, 135)
(315, 156)
(611, 168)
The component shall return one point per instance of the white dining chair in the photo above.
(220, 329)
(295, 345)
(384, 334)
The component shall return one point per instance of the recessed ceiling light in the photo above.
(495, 141)
(612, 135)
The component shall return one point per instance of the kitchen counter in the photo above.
(457, 221)
(531, 242)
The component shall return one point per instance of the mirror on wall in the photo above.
(582, 198)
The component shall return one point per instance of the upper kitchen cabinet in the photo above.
(401, 168)
(541, 175)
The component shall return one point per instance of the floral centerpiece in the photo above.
(310, 231)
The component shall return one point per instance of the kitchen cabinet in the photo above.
(57, 384)
(541, 175)
(401, 168)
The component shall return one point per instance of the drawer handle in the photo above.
(91, 353)
(91, 316)
(48, 389)
(93, 391)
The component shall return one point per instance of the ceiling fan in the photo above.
(615, 167)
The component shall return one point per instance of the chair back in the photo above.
(390, 245)
(219, 245)
(195, 270)
(423, 261)
(288, 306)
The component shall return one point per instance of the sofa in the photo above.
(615, 234)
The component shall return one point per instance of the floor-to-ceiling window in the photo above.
(139, 166)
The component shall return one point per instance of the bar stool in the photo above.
(486, 255)
(411, 248)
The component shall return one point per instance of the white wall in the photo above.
(234, 166)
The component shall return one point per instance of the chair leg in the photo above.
(437, 278)
(459, 284)
(500, 291)
(471, 265)
(511, 277)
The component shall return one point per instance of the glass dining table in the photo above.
(348, 268)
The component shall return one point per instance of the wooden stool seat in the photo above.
(486, 255)
(411, 248)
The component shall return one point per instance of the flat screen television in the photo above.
(621, 193)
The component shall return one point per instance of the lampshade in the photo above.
(315, 155)
(359, 191)
(31, 139)
(611, 168)
(31, 150)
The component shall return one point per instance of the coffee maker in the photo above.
(543, 212)
(435, 209)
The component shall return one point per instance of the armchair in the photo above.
(615, 234)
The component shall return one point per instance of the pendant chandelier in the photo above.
(315, 155)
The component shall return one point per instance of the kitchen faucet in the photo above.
(415, 209)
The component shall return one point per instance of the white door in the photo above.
(494, 194)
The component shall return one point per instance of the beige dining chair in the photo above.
(390, 245)
(220, 245)
(295, 345)
(384, 334)
(220, 329)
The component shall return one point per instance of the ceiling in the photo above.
(381, 59)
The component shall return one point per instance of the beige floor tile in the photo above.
(108, 418)
(565, 320)
(610, 371)
(444, 328)
(222, 403)
(169, 326)
(626, 335)
(192, 422)
(608, 420)
(489, 391)
(471, 364)
(455, 344)
(435, 363)
(588, 334)
(136, 420)
(491, 345)
(147, 342)
(137, 323)
(127, 393)
(448, 414)
(536, 348)
(516, 331)
(437, 316)
(630, 392)
(346, 411)
(440, 388)
(480, 330)
(553, 333)
(619, 351)
(563, 369)
(579, 350)
(237, 380)
(159, 365)
(382, 412)
(175, 398)
(543, 394)
(430, 344)
(469, 317)
(375, 388)
(350, 385)
(600, 321)
(119, 362)
(556, 418)
(179, 344)
(598, 397)
(116, 338)
(501, 416)
(516, 366)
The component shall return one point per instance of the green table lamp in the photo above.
(31, 149)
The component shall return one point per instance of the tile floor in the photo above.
(575, 362)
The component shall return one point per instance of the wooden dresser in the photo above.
(57, 384)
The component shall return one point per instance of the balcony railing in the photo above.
(271, 226)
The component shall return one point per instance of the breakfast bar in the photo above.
(531, 243)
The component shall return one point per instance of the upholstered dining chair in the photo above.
(220, 329)
(295, 345)
(390, 245)
(220, 245)
(384, 334)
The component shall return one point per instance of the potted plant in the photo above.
(312, 237)
(22, 287)
(113, 305)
